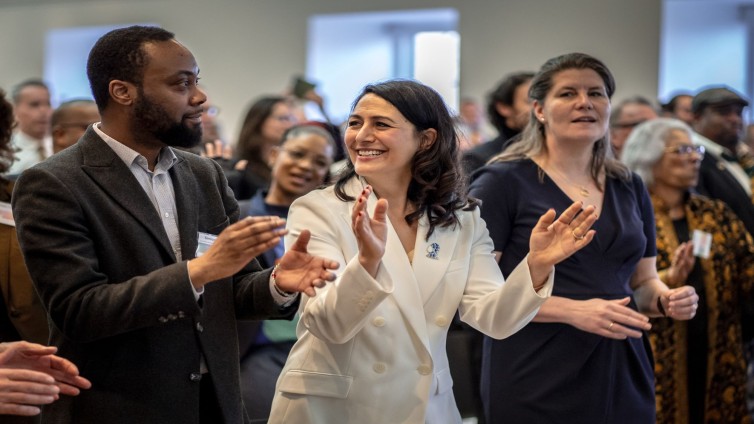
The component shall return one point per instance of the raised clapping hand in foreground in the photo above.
(31, 375)
(370, 232)
(242, 241)
(553, 240)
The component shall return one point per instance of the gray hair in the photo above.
(646, 145)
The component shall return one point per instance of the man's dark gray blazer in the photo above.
(121, 307)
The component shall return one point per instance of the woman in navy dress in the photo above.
(585, 357)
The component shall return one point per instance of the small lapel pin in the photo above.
(432, 250)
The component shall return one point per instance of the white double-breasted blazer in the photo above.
(372, 350)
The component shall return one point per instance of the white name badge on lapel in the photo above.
(6, 214)
(205, 241)
(702, 244)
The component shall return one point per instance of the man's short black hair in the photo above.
(119, 55)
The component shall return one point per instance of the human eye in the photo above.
(596, 93)
(354, 122)
(566, 94)
(296, 154)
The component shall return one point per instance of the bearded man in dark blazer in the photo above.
(137, 252)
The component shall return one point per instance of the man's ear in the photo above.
(122, 92)
(427, 138)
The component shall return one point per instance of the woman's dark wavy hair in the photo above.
(438, 186)
(7, 122)
(251, 141)
(532, 140)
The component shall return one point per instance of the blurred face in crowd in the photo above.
(722, 124)
(631, 115)
(33, 111)
(683, 109)
(210, 129)
(299, 166)
(470, 112)
(576, 109)
(678, 168)
(517, 114)
(278, 122)
(72, 125)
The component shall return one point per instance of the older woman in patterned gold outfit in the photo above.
(699, 364)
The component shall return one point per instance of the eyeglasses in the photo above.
(686, 149)
(284, 118)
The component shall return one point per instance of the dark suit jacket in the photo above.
(122, 308)
(478, 156)
(716, 182)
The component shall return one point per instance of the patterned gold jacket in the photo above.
(728, 275)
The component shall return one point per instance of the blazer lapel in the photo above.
(109, 172)
(186, 197)
(432, 257)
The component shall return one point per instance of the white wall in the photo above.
(246, 48)
(703, 43)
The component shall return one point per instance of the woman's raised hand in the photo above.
(553, 240)
(370, 232)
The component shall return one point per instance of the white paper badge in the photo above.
(205, 241)
(6, 214)
(702, 244)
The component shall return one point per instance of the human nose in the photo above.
(364, 133)
(584, 101)
(199, 96)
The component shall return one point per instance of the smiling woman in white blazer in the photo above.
(413, 250)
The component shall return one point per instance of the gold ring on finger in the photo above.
(577, 238)
(610, 327)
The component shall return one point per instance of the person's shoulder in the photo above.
(324, 198)
(487, 149)
(509, 168)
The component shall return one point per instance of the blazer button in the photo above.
(378, 321)
(172, 317)
(181, 314)
(379, 367)
(195, 376)
(199, 327)
(162, 320)
(424, 369)
(441, 321)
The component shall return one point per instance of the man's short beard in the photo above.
(152, 118)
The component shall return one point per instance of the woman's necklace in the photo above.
(583, 191)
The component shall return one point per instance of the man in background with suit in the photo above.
(137, 251)
(508, 109)
(727, 170)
